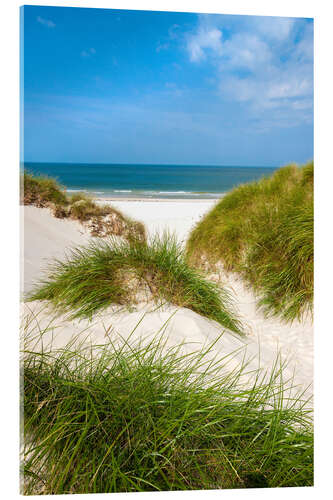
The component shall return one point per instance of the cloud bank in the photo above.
(263, 63)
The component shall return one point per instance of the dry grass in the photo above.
(41, 191)
(102, 220)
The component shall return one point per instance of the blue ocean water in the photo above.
(149, 181)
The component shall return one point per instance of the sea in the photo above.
(149, 181)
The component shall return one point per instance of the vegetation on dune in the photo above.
(264, 231)
(150, 419)
(141, 417)
(41, 190)
(102, 220)
(113, 272)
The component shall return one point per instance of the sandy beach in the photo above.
(46, 237)
(158, 215)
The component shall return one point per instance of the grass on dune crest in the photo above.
(145, 418)
(43, 191)
(114, 272)
(264, 231)
(39, 190)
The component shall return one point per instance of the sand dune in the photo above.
(46, 237)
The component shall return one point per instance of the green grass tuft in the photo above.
(147, 419)
(106, 273)
(264, 231)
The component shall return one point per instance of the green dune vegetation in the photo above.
(102, 220)
(145, 418)
(118, 272)
(264, 231)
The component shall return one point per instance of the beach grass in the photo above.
(40, 190)
(114, 272)
(263, 230)
(102, 219)
(83, 207)
(147, 418)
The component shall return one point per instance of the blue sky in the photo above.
(111, 86)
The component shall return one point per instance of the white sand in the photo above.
(46, 236)
(175, 215)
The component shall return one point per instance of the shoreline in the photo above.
(133, 195)
(171, 200)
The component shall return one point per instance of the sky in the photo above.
(120, 86)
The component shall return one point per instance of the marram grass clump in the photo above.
(145, 418)
(101, 219)
(41, 190)
(263, 230)
(108, 272)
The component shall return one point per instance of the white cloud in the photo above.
(204, 39)
(275, 28)
(304, 48)
(167, 42)
(265, 64)
(173, 31)
(88, 52)
(289, 86)
(266, 92)
(245, 50)
(46, 22)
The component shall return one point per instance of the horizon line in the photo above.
(152, 164)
